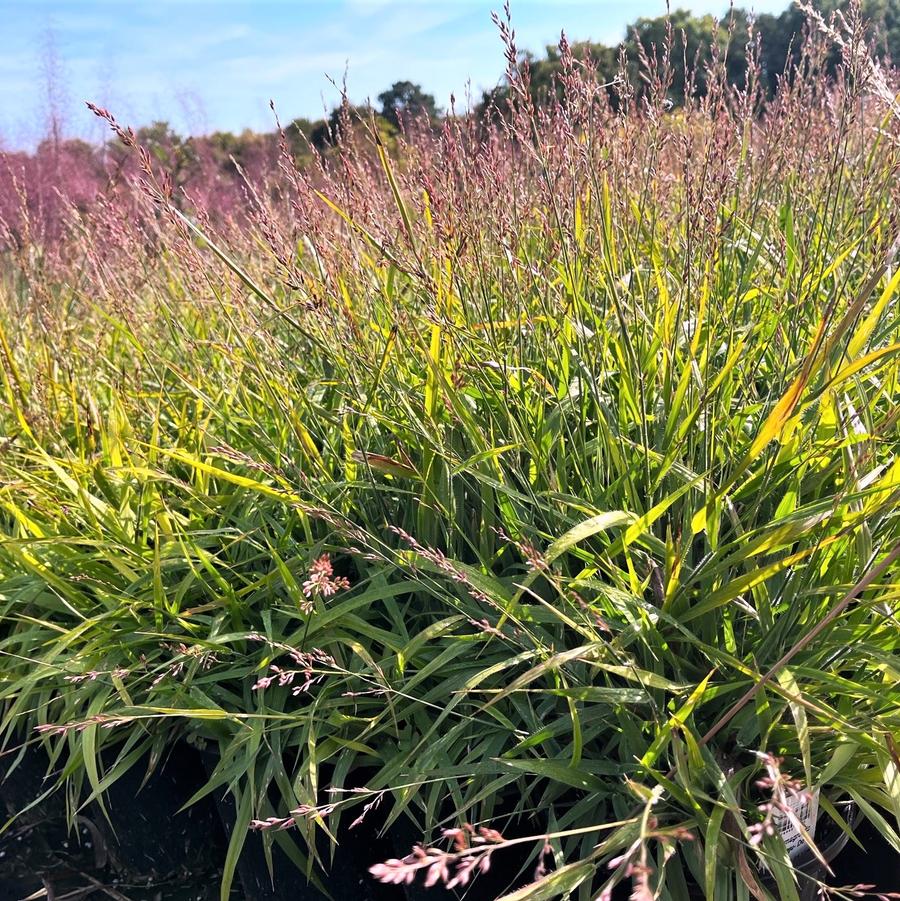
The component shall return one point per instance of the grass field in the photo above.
(539, 476)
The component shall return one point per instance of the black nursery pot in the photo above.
(347, 878)
(159, 852)
(875, 863)
(145, 844)
(830, 840)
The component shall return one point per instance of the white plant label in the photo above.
(807, 812)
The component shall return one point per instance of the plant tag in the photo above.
(807, 812)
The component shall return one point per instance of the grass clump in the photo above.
(541, 476)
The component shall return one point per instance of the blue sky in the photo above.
(210, 64)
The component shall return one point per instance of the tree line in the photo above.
(215, 160)
(695, 40)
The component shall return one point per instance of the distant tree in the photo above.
(163, 141)
(174, 154)
(691, 40)
(405, 99)
(780, 42)
(74, 149)
(227, 150)
(324, 132)
(348, 117)
(885, 15)
(545, 72)
(297, 135)
(692, 37)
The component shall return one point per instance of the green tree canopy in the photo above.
(694, 36)
(406, 99)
